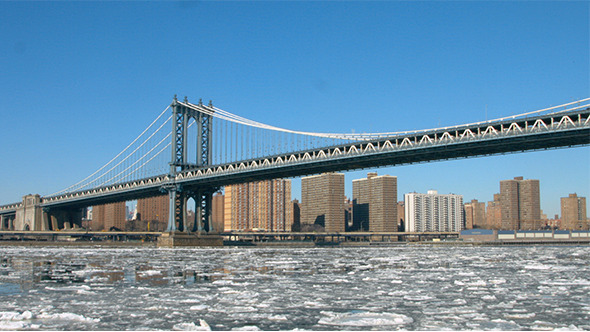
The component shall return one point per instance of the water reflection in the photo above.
(29, 270)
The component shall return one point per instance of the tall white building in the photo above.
(433, 212)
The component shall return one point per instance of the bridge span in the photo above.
(562, 126)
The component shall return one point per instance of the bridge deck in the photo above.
(555, 130)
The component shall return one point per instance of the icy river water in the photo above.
(413, 287)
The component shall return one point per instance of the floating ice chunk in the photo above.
(313, 304)
(246, 328)
(150, 273)
(278, 318)
(417, 298)
(498, 281)
(499, 324)
(15, 316)
(477, 283)
(200, 307)
(366, 319)
(203, 326)
(537, 267)
(519, 316)
(223, 282)
(69, 316)
(17, 325)
(69, 288)
(467, 274)
(569, 328)
(190, 301)
(542, 326)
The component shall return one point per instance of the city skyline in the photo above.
(82, 79)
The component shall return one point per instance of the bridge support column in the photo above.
(207, 203)
(54, 223)
(176, 209)
(3, 224)
(171, 208)
(46, 220)
(56, 219)
(197, 222)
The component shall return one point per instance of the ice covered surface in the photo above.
(407, 288)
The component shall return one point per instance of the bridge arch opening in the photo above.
(191, 215)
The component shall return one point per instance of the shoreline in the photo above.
(291, 244)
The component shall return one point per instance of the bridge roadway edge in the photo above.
(459, 150)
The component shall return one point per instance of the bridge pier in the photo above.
(7, 222)
(29, 215)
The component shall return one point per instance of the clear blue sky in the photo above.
(80, 80)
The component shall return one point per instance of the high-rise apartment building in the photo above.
(494, 214)
(433, 212)
(374, 203)
(263, 205)
(109, 216)
(154, 210)
(322, 201)
(475, 214)
(520, 204)
(573, 212)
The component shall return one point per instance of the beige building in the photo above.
(520, 204)
(374, 206)
(475, 214)
(322, 201)
(573, 212)
(263, 205)
(217, 212)
(494, 214)
(107, 216)
(154, 212)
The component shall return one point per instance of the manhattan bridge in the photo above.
(191, 150)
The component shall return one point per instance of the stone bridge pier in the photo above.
(31, 216)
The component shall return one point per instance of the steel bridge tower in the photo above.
(178, 196)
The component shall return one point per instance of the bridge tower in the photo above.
(178, 196)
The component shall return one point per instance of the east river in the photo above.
(409, 287)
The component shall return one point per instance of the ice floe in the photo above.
(365, 319)
(203, 326)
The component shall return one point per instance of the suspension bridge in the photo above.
(199, 148)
